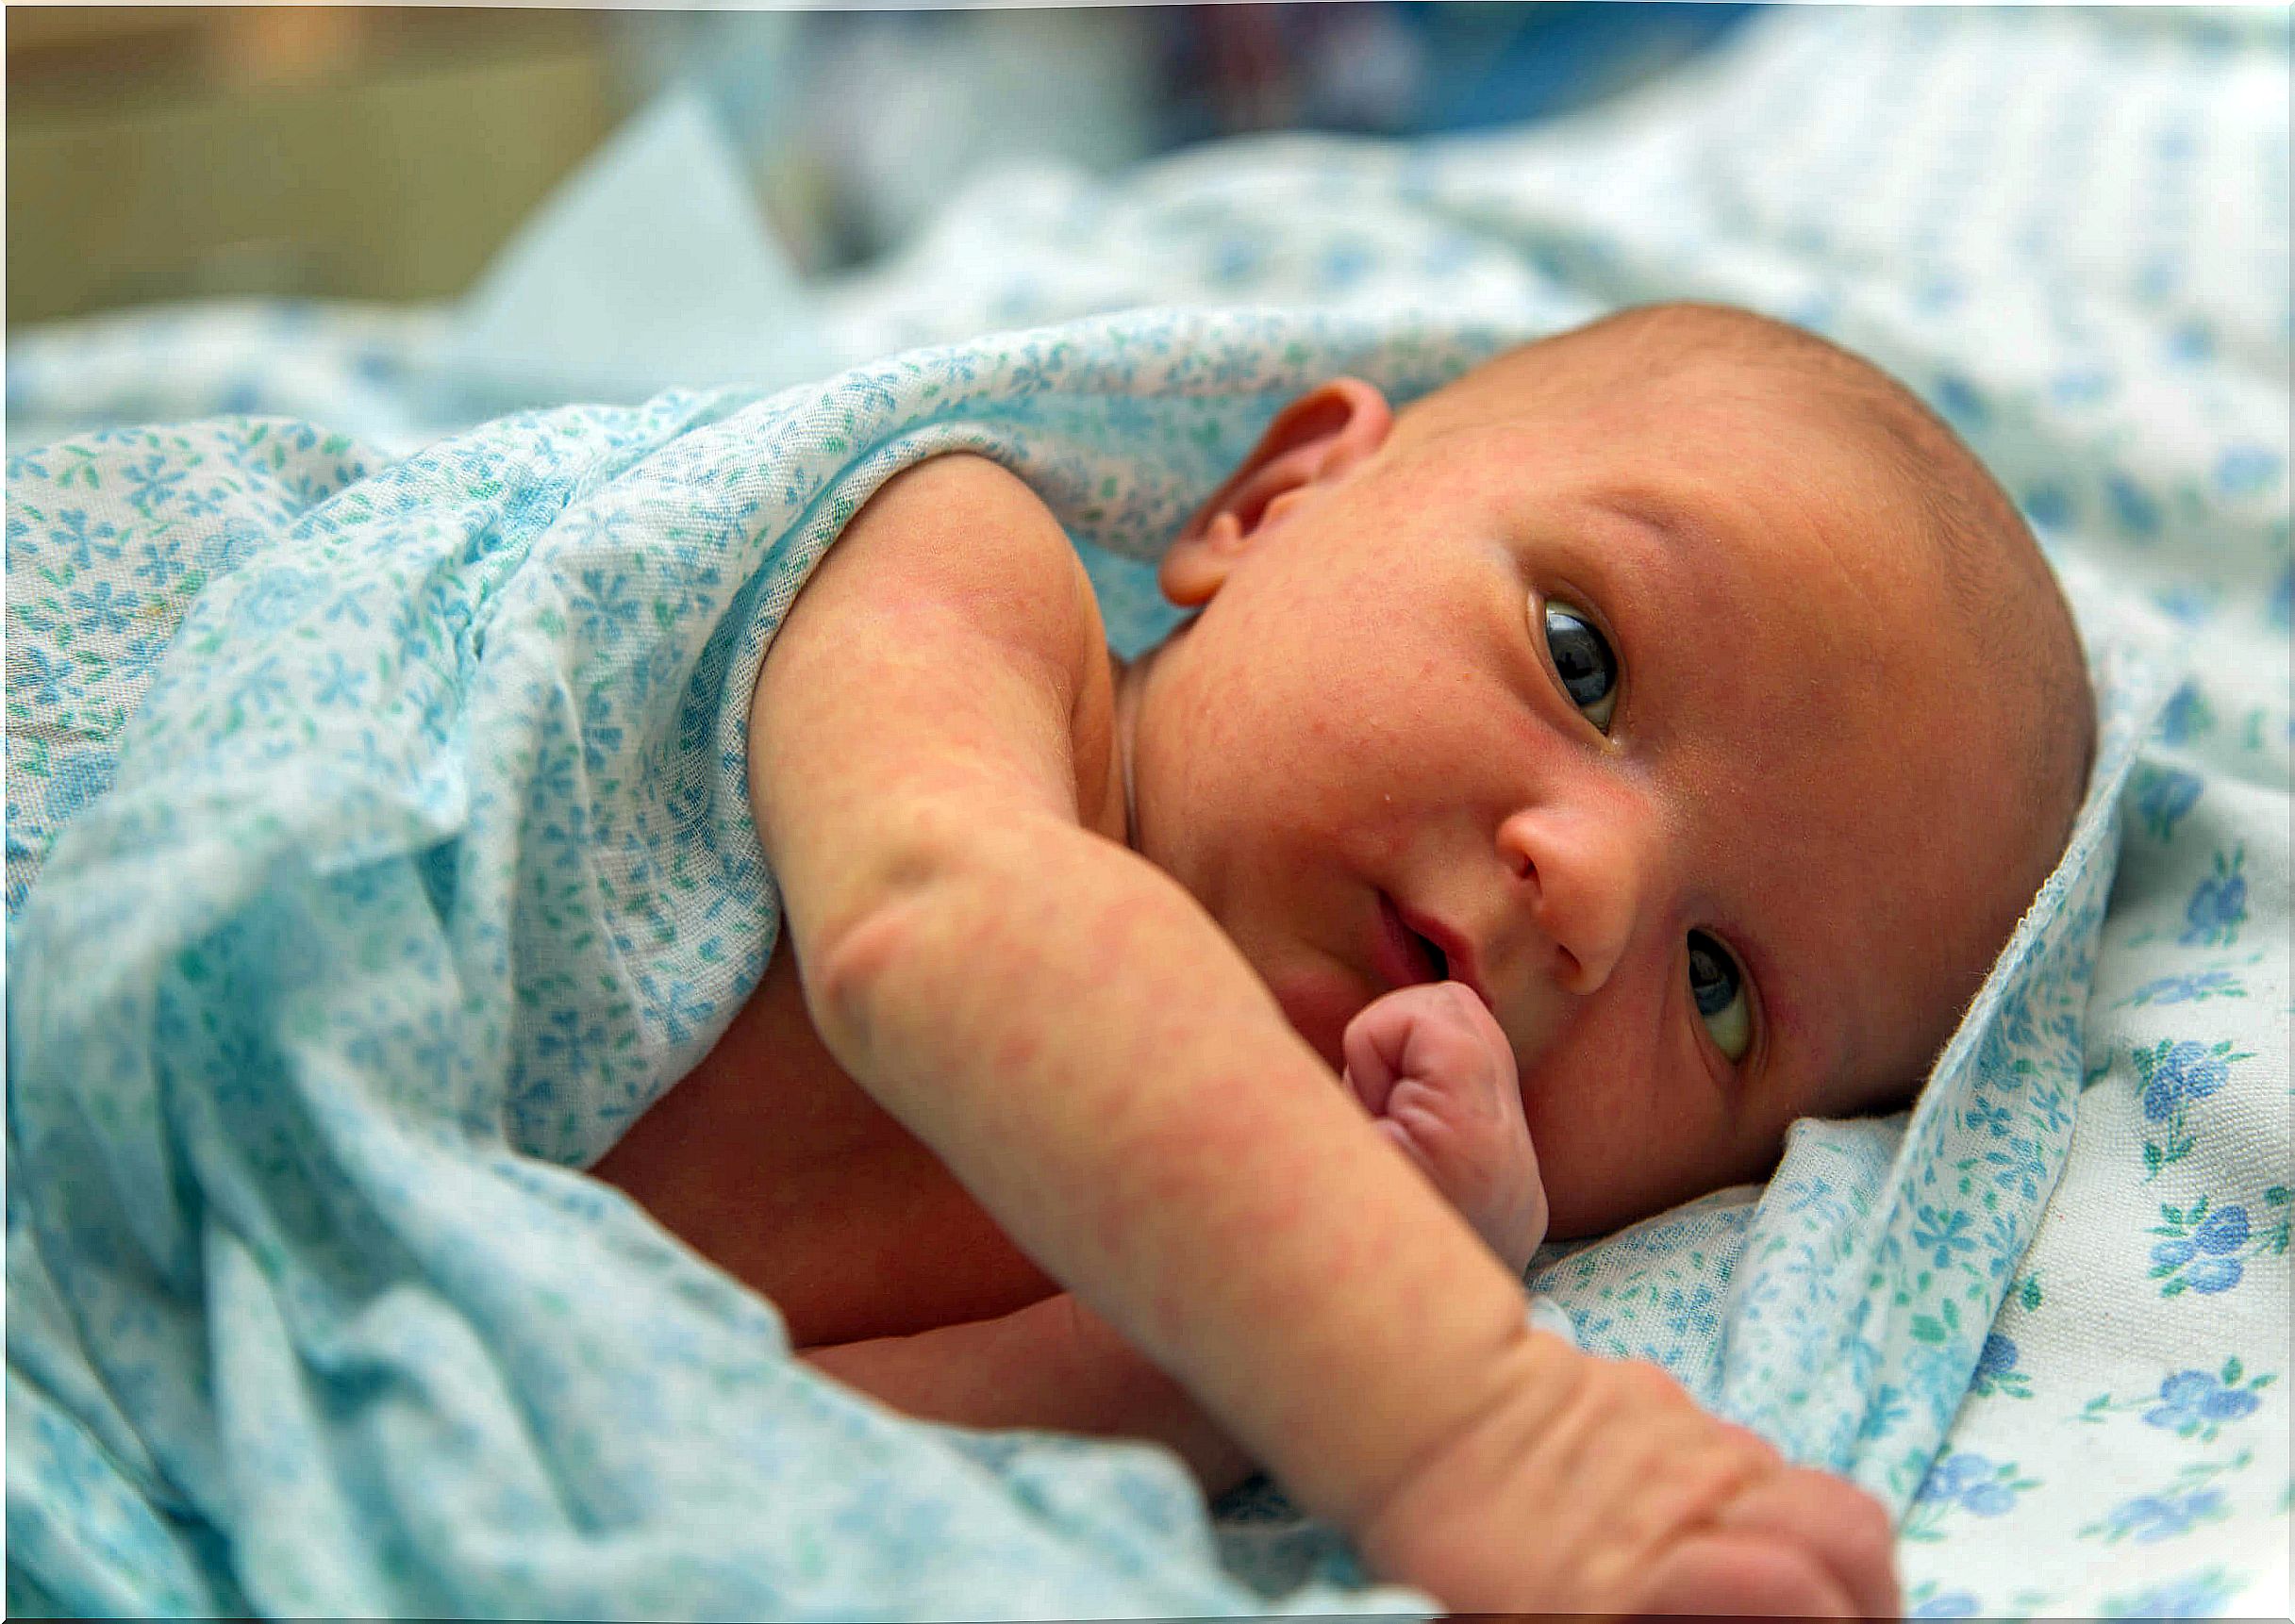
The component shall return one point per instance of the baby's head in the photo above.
(1680, 683)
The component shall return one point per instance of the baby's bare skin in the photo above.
(771, 1163)
(1433, 1069)
(1464, 1441)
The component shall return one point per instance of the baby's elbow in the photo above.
(848, 969)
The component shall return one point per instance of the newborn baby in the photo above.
(1567, 782)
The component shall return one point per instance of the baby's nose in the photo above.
(1580, 874)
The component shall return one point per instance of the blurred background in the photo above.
(386, 153)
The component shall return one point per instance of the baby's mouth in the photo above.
(1401, 956)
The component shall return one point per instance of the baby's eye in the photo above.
(1582, 657)
(1719, 991)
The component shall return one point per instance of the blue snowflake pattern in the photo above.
(1944, 1232)
(105, 610)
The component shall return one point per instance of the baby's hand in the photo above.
(1430, 1063)
(1597, 1487)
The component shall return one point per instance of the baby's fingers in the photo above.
(1742, 1576)
(1374, 1051)
(1836, 1522)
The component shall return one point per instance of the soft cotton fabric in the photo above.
(2067, 230)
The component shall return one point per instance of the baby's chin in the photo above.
(1319, 1001)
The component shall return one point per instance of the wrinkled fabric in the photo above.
(307, 1313)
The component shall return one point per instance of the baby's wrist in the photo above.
(1531, 1385)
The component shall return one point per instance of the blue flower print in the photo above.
(1974, 1481)
(163, 562)
(2162, 796)
(1943, 1230)
(2048, 507)
(2194, 1403)
(1688, 1310)
(275, 598)
(570, 1046)
(202, 504)
(1984, 1114)
(2225, 1231)
(2219, 903)
(235, 543)
(2201, 1595)
(2205, 1250)
(76, 782)
(2192, 604)
(1968, 1482)
(2194, 988)
(2188, 715)
(1947, 1604)
(1886, 1409)
(2174, 1076)
(2131, 506)
(1959, 401)
(82, 541)
(154, 482)
(2151, 1518)
(340, 684)
(103, 610)
(600, 738)
(2176, 1072)
(1996, 1370)
(606, 603)
(34, 674)
(2246, 470)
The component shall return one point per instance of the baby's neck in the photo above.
(1129, 681)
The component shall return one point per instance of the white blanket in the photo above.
(2069, 230)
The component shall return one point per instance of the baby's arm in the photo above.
(1078, 1042)
(1064, 1026)
(1434, 1071)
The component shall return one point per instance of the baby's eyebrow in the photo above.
(1648, 511)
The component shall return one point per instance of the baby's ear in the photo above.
(1317, 440)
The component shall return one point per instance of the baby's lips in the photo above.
(1400, 958)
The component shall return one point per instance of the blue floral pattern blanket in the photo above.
(377, 847)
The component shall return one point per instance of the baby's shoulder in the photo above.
(949, 637)
(961, 537)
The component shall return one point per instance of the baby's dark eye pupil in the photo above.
(1713, 974)
(1587, 667)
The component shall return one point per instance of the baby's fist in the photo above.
(1430, 1064)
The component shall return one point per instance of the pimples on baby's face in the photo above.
(1648, 716)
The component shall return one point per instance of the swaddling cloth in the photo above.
(410, 870)
(425, 862)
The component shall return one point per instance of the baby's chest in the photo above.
(771, 1163)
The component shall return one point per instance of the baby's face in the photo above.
(1647, 719)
